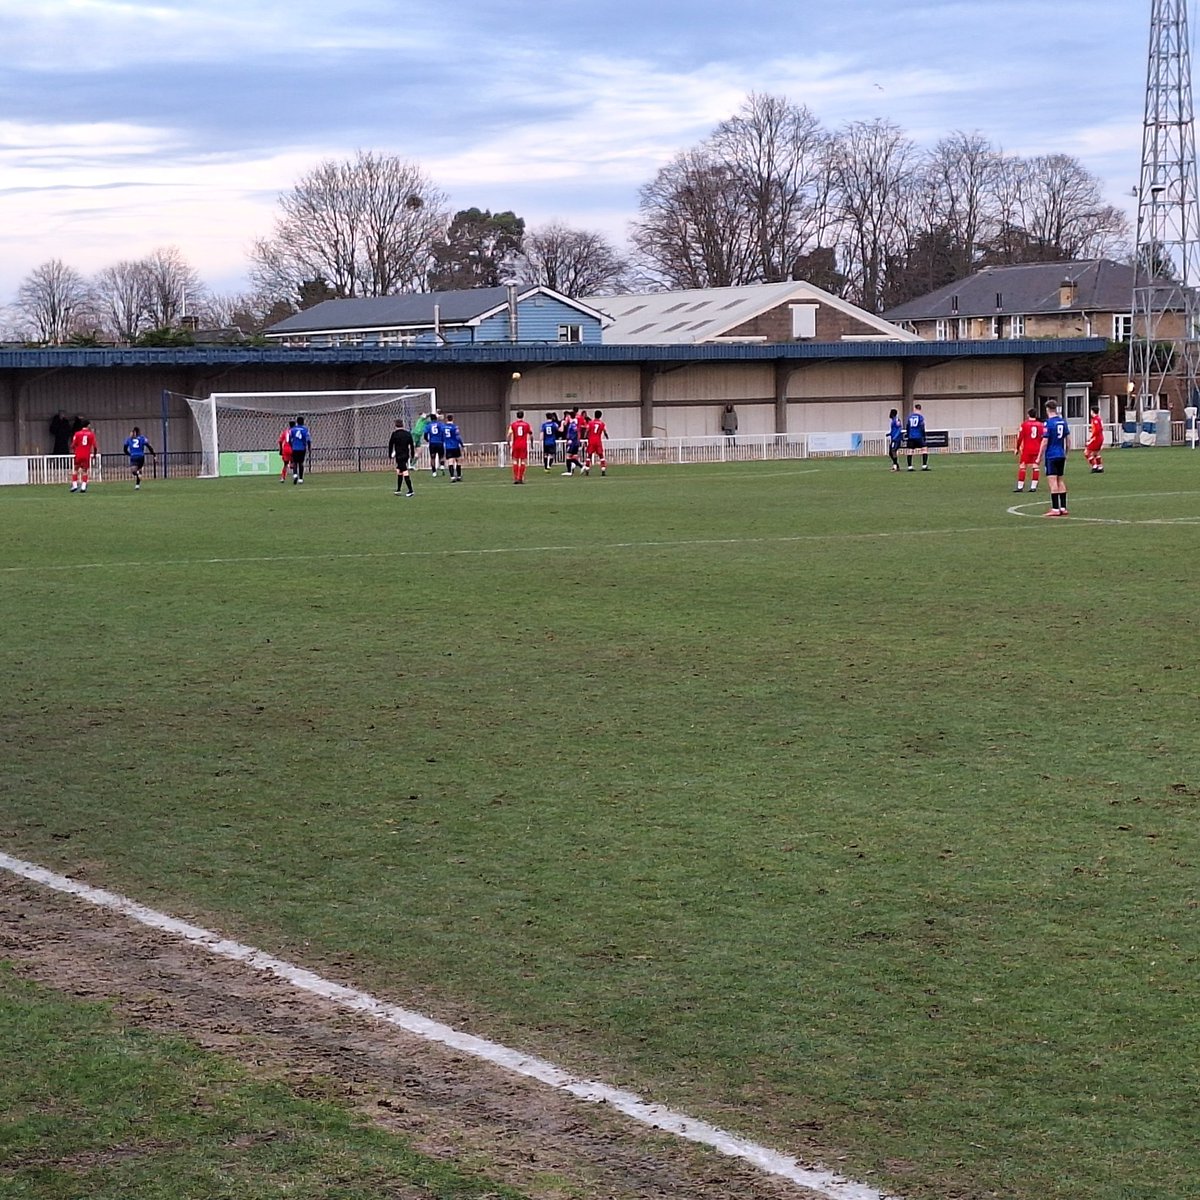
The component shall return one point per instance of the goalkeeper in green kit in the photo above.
(419, 429)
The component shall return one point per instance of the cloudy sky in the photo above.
(127, 125)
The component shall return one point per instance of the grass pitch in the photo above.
(850, 810)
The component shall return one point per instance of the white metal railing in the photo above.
(758, 447)
(43, 468)
(658, 450)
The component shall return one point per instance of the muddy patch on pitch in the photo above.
(445, 1104)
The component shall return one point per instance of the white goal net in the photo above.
(239, 431)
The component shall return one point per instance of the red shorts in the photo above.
(596, 448)
(285, 452)
(1094, 445)
(1031, 462)
(82, 462)
(520, 450)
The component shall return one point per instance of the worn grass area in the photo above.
(845, 808)
(89, 1107)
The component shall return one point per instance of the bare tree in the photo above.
(172, 287)
(694, 230)
(365, 225)
(122, 295)
(576, 262)
(1062, 212)
(55, 302)
(247, 312)
(873, 164)
(964, 174)
(778, 154)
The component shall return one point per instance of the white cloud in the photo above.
(62, 36)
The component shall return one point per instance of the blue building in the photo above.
(499, 316)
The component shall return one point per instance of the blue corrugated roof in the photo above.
(235, 356)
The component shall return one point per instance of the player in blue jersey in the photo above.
(914, 429)
(895, 437)
(435, 439)
(1058, 442)
(572, 436)
(453, 445)
(136, 449)
(550, 431)
(300, 441)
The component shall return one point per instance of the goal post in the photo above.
(239, 431)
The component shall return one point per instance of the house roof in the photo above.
(467, 306)
(1101, 286)
(700, 315)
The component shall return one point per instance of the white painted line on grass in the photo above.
(663, 544)
(823, 1182)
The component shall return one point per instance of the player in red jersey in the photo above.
(1095, 442)
(519, 433)
(584, 421)
(285, 450)
(1029, 450)
(597, 431)
(84, 447)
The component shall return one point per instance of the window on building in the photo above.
(964, 328)
(804, 320)
(1017, 327)
(1076, 403)
(570, 334)
(1122, 327)
(994, 324)
(941, 331)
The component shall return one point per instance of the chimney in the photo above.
(1068, 293)
(512, 312)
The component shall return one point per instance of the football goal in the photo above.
(239, 431)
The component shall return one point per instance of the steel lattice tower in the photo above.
(1165, 339)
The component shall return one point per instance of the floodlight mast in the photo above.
(1165, 336)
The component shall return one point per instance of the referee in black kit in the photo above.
(402, 449)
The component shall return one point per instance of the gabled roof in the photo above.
(465, 307)
(1101, 285)
(702, 315)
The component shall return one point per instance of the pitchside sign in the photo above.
(935, 439)
(834, 443)
(252, 462)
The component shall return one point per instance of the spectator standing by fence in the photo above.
(729, 424)
(60, 433)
